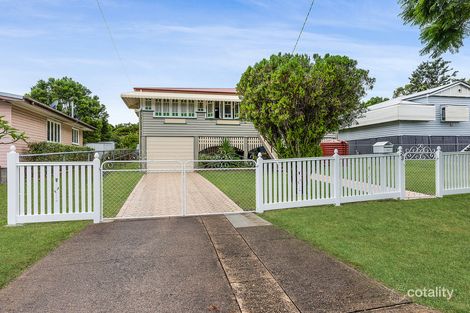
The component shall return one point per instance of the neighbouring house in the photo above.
(435, 117)
(181, 123)
(40, 122)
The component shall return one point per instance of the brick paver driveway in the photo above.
(160, 194)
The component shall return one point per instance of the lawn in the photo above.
(420, 176)
(117, 187)
(404, 244)
(238, 185)
(22, 246)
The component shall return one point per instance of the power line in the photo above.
(114, 43)
(303, 26)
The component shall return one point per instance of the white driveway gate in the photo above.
(52, 191)
(155, 188)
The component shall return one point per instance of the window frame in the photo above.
(148, 104)
(227, 115)
(54, 131)
(78, 136)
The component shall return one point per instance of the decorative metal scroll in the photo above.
(420, 152)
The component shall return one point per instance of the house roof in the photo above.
(132, 99)
(24, 102)
(188, 90)
(406, 99)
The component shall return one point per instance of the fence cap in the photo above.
(96, 155)
(260, 155)
(438, 148)
(335, 151)
(12, 148)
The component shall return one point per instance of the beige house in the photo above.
(181, 123)
(40, 123)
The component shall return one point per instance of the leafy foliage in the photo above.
(87, 107)
(443, 23)
(428, 74)
(225, 152)
(374, 100)
(294, 100)
(9, 134)
(126, 135)
(52, 147)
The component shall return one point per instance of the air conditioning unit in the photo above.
(455, 113)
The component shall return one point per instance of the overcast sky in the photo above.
(196, 43)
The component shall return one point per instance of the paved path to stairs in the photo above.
(194, 264)
(160, 194)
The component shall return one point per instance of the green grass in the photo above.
(22, 246)
(420, 176)
(404, 244)
(117, 187)
(238, 185)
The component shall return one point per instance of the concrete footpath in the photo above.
(194, 264)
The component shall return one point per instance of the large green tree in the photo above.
(64, 91)
(443, 24)
(126, 135)
(294, 100)
(428, 74)
(374, 100)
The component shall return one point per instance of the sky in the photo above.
(201, 43)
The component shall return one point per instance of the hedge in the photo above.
(51, 147)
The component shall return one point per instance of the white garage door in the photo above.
(169, 148)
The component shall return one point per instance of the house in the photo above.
(40, 122)
(181, 123)
(435, 117)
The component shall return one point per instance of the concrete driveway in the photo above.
(160, 194)
(194, 264)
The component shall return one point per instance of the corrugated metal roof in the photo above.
(187, 90)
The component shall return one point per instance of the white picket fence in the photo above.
(53, 191)
(452, 173)
(290, 183)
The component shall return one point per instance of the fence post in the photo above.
(12, 181)
(439, 173)
(259, 184)
(401, 172)
(97, 189)
(337, 177)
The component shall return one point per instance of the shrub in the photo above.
(52, 147)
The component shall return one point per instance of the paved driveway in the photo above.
(160, 194)
(193, 264)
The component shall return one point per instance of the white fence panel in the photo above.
(452, 173)
(53, 191)
(290, 183)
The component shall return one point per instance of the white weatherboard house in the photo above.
(179, 123)
(435, 117)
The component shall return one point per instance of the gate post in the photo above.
(401, 173)
(97, 189)
(259, 184)
(337, 178)
(439, 173)
(12, 181)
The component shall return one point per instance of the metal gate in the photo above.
(158, 188)
(420, 172)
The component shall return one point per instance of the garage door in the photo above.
(169, 148)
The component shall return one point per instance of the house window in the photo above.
(183, 108)
(210, 109)
(158, 107)
(174, 107)
(53, 131)
(236, 110)
(228, 110)
(148, 104)
(166, 107)
(75, 136)
(200, 106)
(191, 108)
